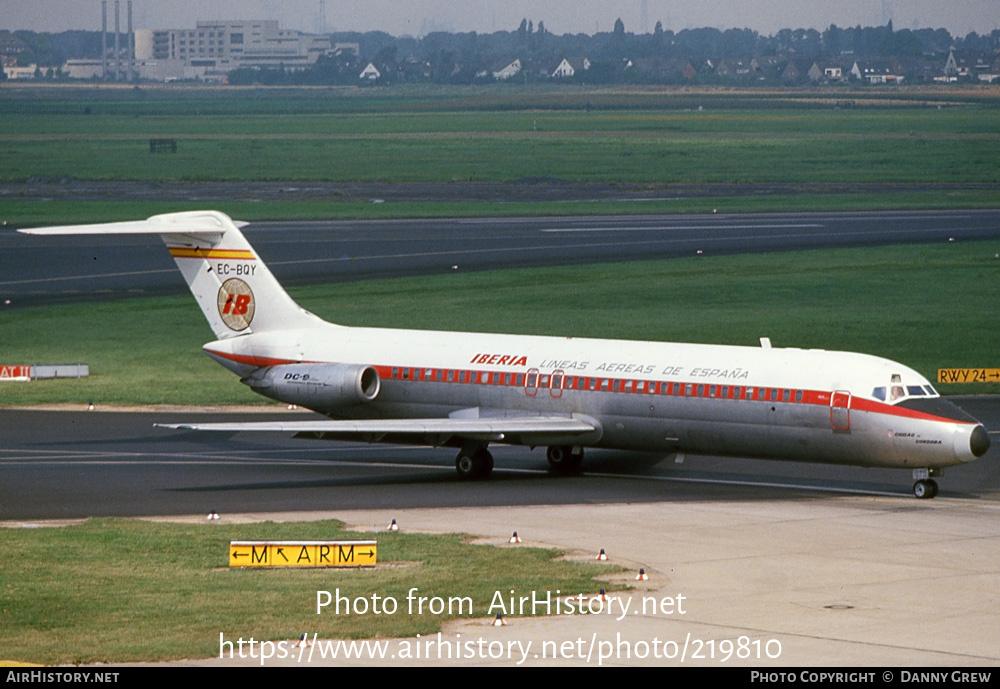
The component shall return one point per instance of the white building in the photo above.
(213, 49)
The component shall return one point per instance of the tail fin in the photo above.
(236, 291)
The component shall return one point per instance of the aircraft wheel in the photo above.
(474, 466)
(925, 489)
(563, 460)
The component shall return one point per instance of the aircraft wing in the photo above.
(531, 430)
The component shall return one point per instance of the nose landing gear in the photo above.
(925, 489)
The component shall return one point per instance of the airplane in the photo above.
(468, 390)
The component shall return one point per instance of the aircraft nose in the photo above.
(979, 441)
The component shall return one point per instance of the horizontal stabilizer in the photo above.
(236, 292)
(173, 223)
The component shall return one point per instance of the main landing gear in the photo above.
(564, 459)
(474, 464)
(924, 487)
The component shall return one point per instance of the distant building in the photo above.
(213, 49)
(506, 69)
(972, 64)
(567, 67)
(826, 71)
(84, 69)
(28, 72)
(877, 71)
(370, 73)
(10, 47)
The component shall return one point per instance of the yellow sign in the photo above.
(968, 375)
(302, 553)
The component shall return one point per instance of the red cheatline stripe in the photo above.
(238, 254)
(861, 404)
(253, 360)
(477, 377)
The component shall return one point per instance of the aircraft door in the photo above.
(840, 410)
(556, 383)
(531, 382)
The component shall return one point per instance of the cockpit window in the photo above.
(898, 392)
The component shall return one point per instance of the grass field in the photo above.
(501, 135)
(126, 590)
(926, 306)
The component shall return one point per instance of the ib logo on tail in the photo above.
(236, 304)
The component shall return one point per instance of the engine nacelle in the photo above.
(323, 387)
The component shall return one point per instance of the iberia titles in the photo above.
(612, 368)
(500, 359)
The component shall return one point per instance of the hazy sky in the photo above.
(418, 17)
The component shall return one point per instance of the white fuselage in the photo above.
(808, 405)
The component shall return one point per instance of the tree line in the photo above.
(464, 57)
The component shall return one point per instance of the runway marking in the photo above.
(89, 277)
(229, 457)
(694, 241)
(832, 215)
(684, 227)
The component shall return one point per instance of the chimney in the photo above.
(131, 44)
(104, 39)
(118, 31)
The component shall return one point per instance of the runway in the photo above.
(36, 271)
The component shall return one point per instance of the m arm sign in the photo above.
(302, 553)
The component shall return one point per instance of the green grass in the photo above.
(502, 134)
(767, 154)
(928, 306)
(129, 591)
